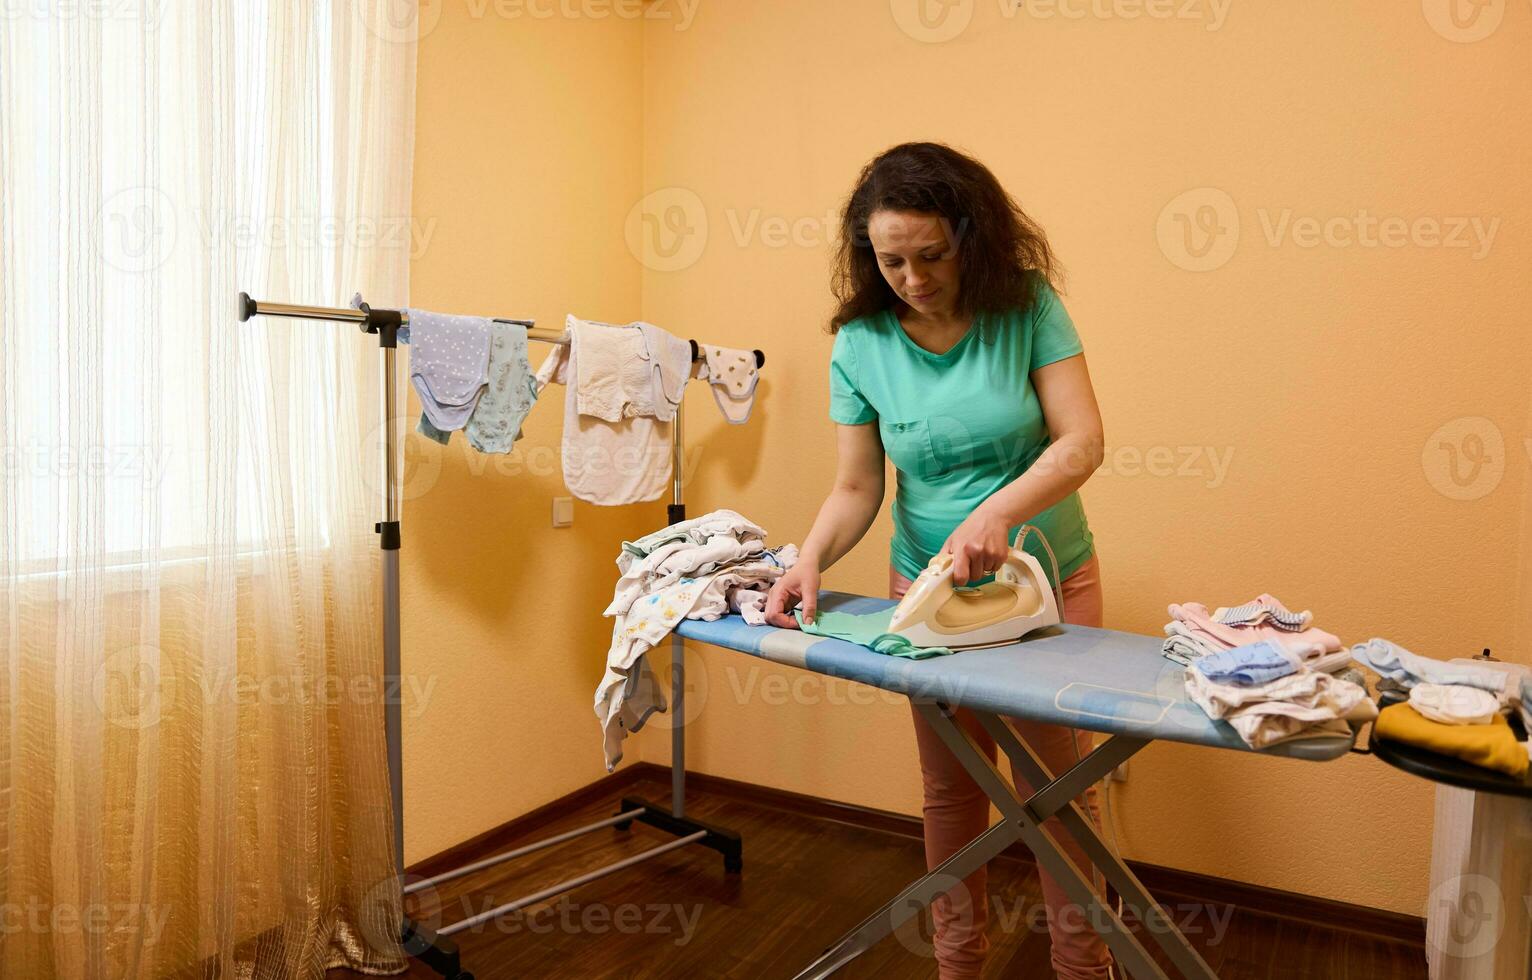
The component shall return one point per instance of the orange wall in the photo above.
(1319, 374)
(526, 161)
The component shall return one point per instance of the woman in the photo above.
(954, 356)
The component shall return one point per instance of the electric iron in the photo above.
(934, 613)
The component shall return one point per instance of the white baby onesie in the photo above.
(733, 375)
(1454, 704)
(605, 462)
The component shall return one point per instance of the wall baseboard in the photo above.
(1166, 884)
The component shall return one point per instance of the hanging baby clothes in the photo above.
(670, 359)
(703, 569)
(449, 365)
(616, 446)
(732, 375)
(495, 424)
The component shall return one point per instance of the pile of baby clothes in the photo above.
(1454, 708)
(703, 568)
(1277, 689)
(1268, 671)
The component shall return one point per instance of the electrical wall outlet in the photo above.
(1120, 774)
(563, 511)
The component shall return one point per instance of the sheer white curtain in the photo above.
(192, 768)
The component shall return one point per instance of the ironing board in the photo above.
(1101, 680)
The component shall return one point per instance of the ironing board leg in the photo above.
(1043, 805)
(937, 882)
(1129, 952)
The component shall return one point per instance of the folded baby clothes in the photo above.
(449, 365)
(1184, 644)
(1454, 704)
(1406, 669)
(869, 630)
(1196, 614)
(733, 375)
(1194, 632)
(1264, 610)
(670, 562)
(696, 530)
(495, 424)
(1305, 704)
(1492, 746)
(606, 462)
(1253, 663)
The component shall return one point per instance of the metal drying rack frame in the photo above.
(434, 947)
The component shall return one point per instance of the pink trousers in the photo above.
(956, 811)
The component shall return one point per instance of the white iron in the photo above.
(933, 613)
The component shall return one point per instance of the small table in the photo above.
(1478, 919)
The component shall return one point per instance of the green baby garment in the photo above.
(869, 630)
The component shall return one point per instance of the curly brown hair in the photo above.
(1002, 253)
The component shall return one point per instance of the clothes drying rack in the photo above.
(434, 947)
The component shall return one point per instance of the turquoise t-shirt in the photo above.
(961, 425)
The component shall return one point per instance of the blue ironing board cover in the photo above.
(1101, 680)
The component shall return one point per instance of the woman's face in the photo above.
(918, 258)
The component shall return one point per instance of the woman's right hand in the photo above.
(799, 586)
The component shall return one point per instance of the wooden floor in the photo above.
(805, 883)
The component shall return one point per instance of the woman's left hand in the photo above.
(979, 546)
